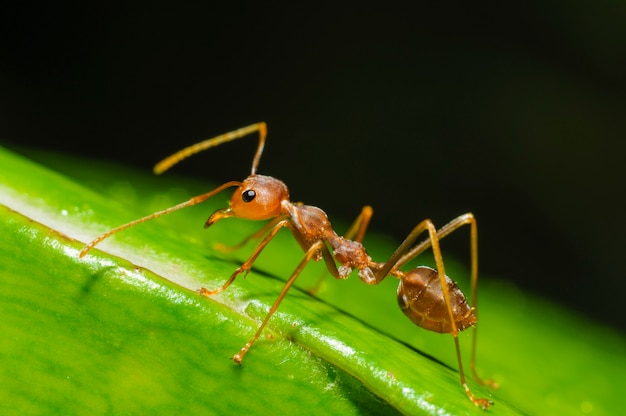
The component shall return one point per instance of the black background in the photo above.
(514, 112)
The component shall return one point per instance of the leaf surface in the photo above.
(124, 331)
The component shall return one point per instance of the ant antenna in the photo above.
(193, 201)
(261, 127)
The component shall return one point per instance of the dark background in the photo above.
(514, 112)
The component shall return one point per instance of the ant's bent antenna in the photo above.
(261, 127)
(193, 201)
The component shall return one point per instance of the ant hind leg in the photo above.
(406, 252)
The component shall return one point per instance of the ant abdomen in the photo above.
(421, 299)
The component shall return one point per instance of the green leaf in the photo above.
(124, 331)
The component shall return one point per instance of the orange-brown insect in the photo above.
(427, 296)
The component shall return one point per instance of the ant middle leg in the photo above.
(358, 228)
(311, 253)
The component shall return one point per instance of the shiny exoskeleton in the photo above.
(427, 296)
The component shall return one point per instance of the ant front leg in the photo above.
(254, 236)
(247, 265)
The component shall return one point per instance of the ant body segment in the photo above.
(426, 296)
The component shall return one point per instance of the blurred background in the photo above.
(513, 111)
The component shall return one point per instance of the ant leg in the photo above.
(247, 265)
(358, 228)
(310, 253)
(193, 201)
(256, 235)
(404, 253)
(444, 231)
(480, 402)
(456, 223)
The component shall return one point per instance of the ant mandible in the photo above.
(427, 296)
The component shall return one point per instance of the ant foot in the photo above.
(483, 403)
(208, 293)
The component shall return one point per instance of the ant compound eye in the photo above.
(248, 195)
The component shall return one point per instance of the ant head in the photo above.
(258, 198)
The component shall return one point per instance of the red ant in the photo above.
(427, 296)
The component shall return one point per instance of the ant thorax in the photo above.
(312, 224)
